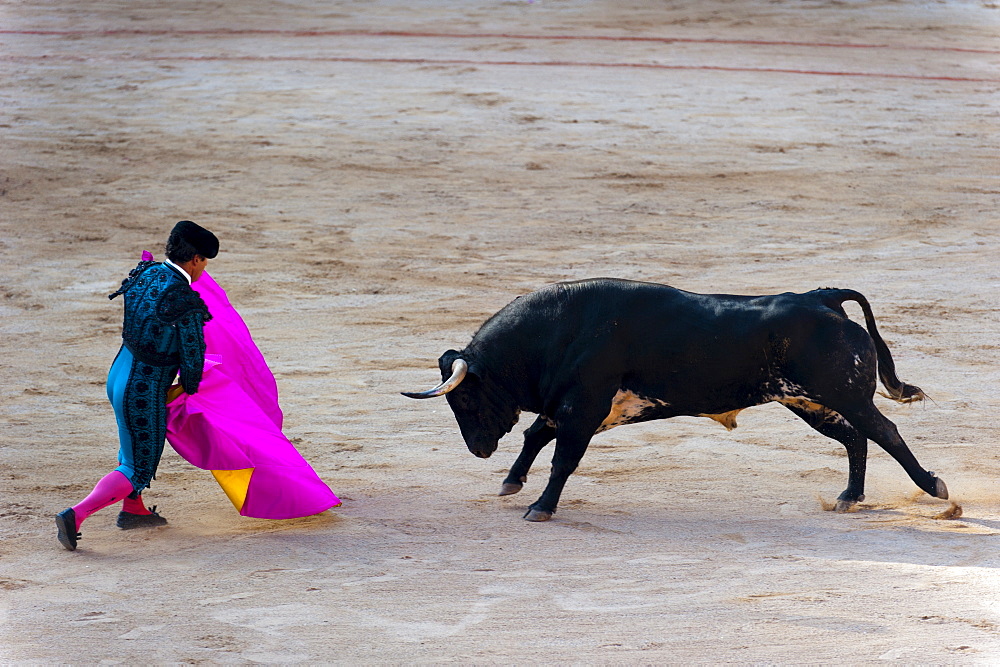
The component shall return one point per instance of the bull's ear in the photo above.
(449, 357)
(446, 360)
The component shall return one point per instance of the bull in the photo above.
(591, 355)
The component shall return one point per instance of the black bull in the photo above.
(591, 355)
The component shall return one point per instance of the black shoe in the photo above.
(128, 521)
(66, 523)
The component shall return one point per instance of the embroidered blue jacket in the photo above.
(164, 321)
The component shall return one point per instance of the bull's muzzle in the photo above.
(459, 368)
(483, 451)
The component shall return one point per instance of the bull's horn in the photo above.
(458, 370)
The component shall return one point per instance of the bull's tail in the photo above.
(899, 391)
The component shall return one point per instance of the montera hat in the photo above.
(203, 241)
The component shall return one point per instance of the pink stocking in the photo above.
(113, 487)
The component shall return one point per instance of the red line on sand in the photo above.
(522, 63)
(441, 35)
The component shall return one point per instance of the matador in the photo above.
(161, 337)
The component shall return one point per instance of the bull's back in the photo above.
(658, 338)
(644, 316)
(671, 344)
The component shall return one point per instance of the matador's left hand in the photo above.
(174, 391)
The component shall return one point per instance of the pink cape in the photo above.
(232, 425)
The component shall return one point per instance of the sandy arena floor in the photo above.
(384, 175)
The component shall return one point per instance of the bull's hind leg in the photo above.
(833, 425)
(876, 426)
(536, 437)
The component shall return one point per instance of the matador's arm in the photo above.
(183, 309)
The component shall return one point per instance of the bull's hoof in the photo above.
(537, 515)
(509, 489)
(846, 502)
(844, 506)
(940, 489)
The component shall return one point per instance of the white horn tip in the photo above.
(459, 368)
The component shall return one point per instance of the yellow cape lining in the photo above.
(235, 483)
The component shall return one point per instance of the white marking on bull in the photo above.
(788, 389)
(792, 395)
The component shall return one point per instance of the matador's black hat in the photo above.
(203, 241)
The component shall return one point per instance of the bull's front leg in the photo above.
(536, 437)
(576, 420)
(572, 438)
